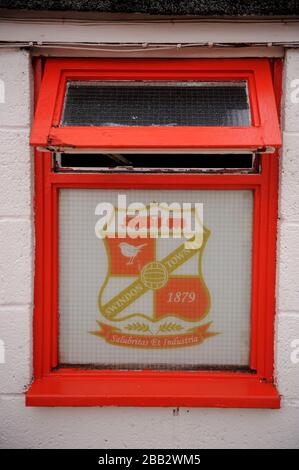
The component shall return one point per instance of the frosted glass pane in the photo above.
(134, 303)
(152, 104)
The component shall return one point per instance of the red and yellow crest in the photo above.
(154, 294)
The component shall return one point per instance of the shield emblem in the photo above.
(154, 279)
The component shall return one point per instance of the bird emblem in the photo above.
(130, 251)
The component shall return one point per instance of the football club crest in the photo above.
(154, 294)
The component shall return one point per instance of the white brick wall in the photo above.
(16, 260)
(14, 71)
(129, 427)
(287, 320)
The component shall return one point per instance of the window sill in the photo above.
(187, 389)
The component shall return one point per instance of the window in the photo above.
(156, 196)
(149, 103)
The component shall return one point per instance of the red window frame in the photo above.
(54, 386)
(263, 132)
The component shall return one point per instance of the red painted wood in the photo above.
(264, 130)
(142, 390)
(254, 277)
(39, 245)
(156, 180)
(149, 388)
(161, 137)
(55, 279)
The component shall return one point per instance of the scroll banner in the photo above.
(114, 336)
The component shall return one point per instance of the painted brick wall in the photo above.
(129, 427)
(287, 320)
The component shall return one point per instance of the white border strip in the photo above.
(200, 33)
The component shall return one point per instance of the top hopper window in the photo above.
(161, 104)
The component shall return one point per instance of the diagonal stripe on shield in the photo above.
(154, 278)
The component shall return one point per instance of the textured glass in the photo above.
(156, 104)
(196, 315)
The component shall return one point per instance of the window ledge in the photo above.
(149, 389)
